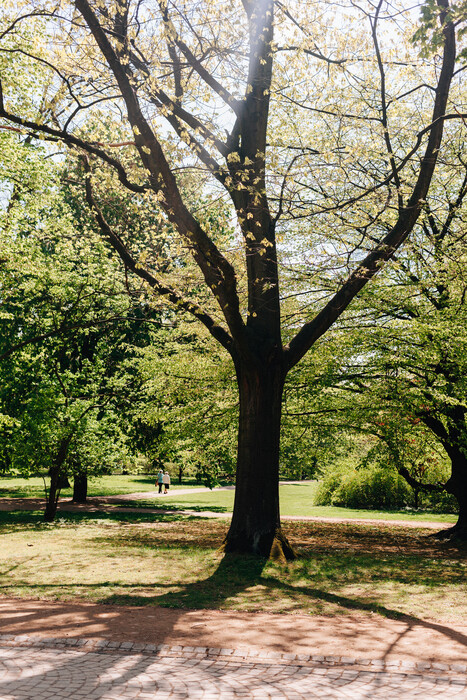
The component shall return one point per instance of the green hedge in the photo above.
(376, 488)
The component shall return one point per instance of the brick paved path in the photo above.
(80, 669)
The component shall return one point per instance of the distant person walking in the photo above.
(160, 480)
(166, 481)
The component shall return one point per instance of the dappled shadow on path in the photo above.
(359, 632)
(241, 573)
(237, 574)
(208, 612)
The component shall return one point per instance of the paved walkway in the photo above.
(403, 659)
(80, 669)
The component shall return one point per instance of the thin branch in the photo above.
(209, 79)
(33, 129)
(219, 333)
(384, 110)
(408, 216)
(61, 330)
(316, 53)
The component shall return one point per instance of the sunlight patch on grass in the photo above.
(296, 500)
(110, 485)
(343, 567)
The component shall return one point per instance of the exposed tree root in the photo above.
(272, 545)
(457, 532)
(281, 549)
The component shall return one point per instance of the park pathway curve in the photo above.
(117, 503)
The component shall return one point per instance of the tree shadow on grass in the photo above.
(172, 507)
(10, 521)
(236, 574)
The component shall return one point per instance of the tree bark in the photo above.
(80, 487)
(255, 526)
(55, 475)
(457, 486)
(453, 437)
(54, 492)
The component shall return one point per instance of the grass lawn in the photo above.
(147, 559)
(103, 486)
(296, 500)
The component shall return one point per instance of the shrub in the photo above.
(373, 488)
(378, 487)
(440, 502)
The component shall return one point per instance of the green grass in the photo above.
(296, 500)
(162, 560)
(16, 487)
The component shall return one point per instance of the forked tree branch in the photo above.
(217, 271)
(217, 331)
(420, 485)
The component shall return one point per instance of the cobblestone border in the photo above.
(214, 653)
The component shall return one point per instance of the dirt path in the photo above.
(110, 504)
(357, 636)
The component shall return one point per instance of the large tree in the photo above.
(313, 129)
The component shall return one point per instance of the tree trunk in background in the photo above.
(255, 526)
(52, 499)
(80, 487)
(55, 477)
(457, 485)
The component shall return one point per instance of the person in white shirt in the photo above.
(166, 481)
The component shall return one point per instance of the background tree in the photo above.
(70, 330)
(401, 373)
(227, 82)
(415, 335)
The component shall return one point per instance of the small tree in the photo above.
(68, 337)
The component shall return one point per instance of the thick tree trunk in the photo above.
(80, 487)
(255, 526)
(457, 485)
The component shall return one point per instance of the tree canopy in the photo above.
(320, 130)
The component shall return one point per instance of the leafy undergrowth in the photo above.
(172, 561)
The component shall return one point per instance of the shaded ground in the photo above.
(356, 635)
(357, 632)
